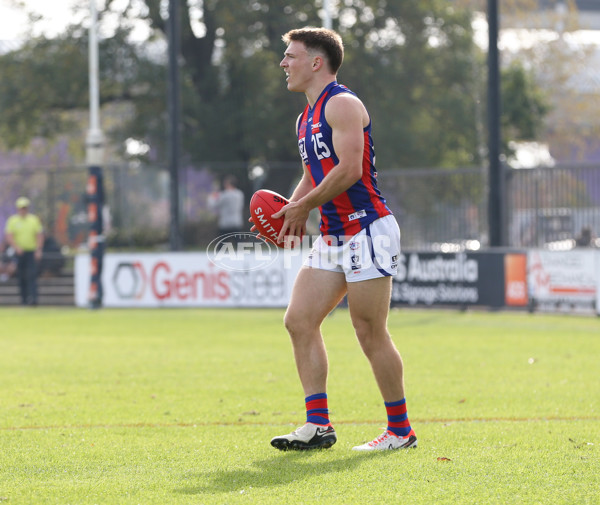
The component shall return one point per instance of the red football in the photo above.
(263, 205)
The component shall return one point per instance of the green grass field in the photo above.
(178, 407)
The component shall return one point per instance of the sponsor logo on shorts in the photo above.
(355, 260)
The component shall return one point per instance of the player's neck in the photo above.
(314, 91)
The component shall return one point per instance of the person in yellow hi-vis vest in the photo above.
(25, 234)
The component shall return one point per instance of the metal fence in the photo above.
(447, 209)
(438, 209)
(553, 206)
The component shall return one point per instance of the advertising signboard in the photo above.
(563, 280)
(189, 280)
(463, 279)
(200, 279)
(515, 279)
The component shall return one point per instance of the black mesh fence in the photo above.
(438, 209)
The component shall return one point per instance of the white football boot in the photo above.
(309, 436)
(389, 441)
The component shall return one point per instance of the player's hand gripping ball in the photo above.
(263, 205)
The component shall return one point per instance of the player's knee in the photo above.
(371, 338)
(294, 323)
(300, 325)
(368, 346)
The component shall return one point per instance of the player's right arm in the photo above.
(298, 226)
(303, 187)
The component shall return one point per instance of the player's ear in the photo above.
(318, 62)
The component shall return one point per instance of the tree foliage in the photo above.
(414, 63)
(524, 105)
(44, 83)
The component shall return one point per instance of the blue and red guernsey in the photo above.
(362, 203)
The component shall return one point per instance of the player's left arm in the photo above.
(346, 115)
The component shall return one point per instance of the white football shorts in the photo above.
(371, 253)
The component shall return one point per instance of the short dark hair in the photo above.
(321, 39)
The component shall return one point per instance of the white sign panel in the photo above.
(563, 279)
(190, 280)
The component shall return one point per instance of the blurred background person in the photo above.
(8, 264)
(585, 238)
(228, 204)
(25, 234)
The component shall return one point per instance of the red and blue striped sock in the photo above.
(398, 422)
(316, 409)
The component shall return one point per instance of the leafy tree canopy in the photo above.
(413, 63)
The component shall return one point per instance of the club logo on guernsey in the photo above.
(357, 215)
(302, 149)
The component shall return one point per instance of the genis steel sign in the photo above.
(190, 279)
(135, 280)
